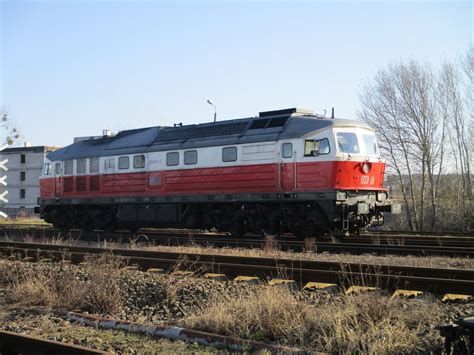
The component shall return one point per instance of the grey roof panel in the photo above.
(229, 132)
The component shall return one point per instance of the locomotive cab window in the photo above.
(123, 163)
(229, 154)
(316, 147)
(172, 158)
(190, 157)
(139, 161)
(347, 142)
(287, 150)
(370, 144)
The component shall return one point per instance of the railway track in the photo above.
(14, 343)
(381, 244)
(302, 272)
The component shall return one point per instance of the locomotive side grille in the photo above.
(94, 183)
(94, 166)
(68, 184)
(81, 183)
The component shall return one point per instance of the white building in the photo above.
(25, 165)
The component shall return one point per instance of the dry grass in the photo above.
(60, 285)
(368, 322)
(56, 288)
(102, 286)
(24, 220)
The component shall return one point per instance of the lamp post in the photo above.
(215, 109)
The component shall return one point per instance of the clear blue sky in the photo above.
(72, 68)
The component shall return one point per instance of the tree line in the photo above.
(424, 119)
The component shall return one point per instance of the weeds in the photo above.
(271, 244)
(367, 322)
(58, 285)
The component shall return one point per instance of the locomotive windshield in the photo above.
(370, 144)
(347, 142)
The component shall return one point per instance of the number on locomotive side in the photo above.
(364, 179)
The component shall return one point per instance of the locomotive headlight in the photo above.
(365, 168)
(341, 195)
(381, 196)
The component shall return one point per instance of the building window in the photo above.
(139, 161)
(172, 159)
(190, 157)
(124, 163)
(229, 154)
(22, 158)
(22, 193)
(287, 150)
(23, 175)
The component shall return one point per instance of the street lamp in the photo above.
(215, 109)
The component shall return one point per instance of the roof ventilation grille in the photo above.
(286, 112)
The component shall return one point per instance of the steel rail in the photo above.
(14, 343)
(352, 245)
(436, 280)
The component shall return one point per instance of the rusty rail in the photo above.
(436, 280)
(381, 244)
(14, 343)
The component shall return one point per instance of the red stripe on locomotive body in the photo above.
(288, 177)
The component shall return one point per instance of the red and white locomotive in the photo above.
(283, 171)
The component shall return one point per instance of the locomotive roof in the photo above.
(229, 132)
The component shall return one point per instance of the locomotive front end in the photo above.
(361, 199)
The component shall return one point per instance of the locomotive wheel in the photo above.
(88, 224)
(63, 222)
(239, 226)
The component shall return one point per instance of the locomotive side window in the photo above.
(109, 164)
(57, 169)
(47, 169)
(190, 157)
(287, 150)
(172, 158)
(370, 144)
(139, 161)
(68, 167)
(124, 163)
(347, 142)
(309, 148)
(81, 166)
(229, 154)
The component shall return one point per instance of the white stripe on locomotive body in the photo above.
(247, 154)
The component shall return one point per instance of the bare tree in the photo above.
(416, 114)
